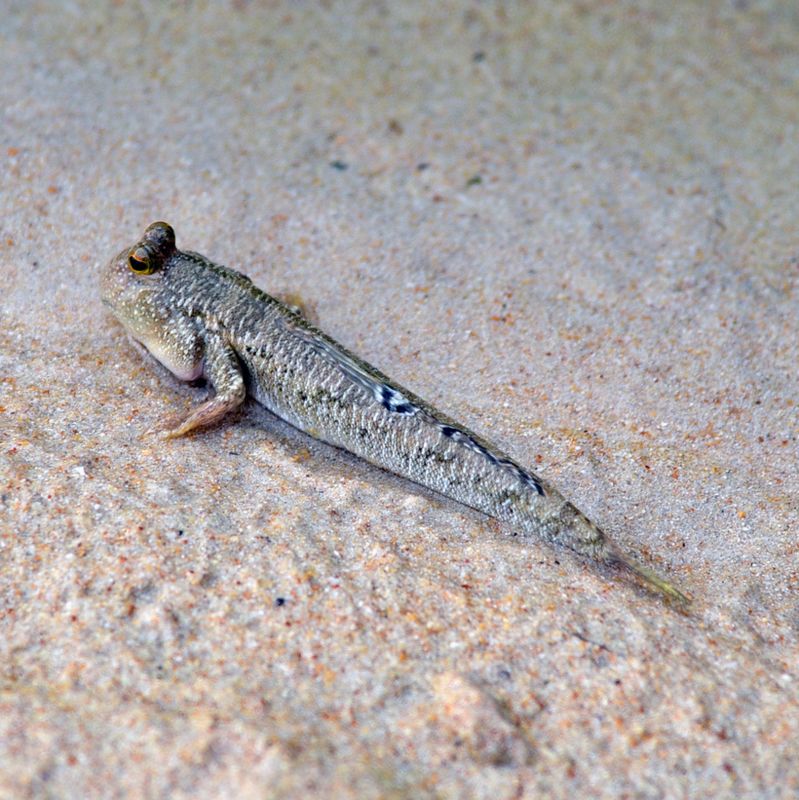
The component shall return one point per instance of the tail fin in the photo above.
(650, 578)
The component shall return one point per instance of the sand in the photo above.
(573, 226)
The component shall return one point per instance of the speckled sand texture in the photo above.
(571, 225)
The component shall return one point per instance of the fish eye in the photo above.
(140, 262)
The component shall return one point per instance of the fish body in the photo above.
(199, 318)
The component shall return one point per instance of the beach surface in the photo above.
(571, 226)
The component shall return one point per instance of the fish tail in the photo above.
(649, 577)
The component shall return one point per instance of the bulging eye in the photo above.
(141, 262)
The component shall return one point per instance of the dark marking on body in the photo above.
(467, 441)
(394, 401)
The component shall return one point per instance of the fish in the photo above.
(200, 319)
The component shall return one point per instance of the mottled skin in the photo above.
(201, 319)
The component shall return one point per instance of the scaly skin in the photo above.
(199, 318)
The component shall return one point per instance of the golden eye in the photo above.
(140, 262)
